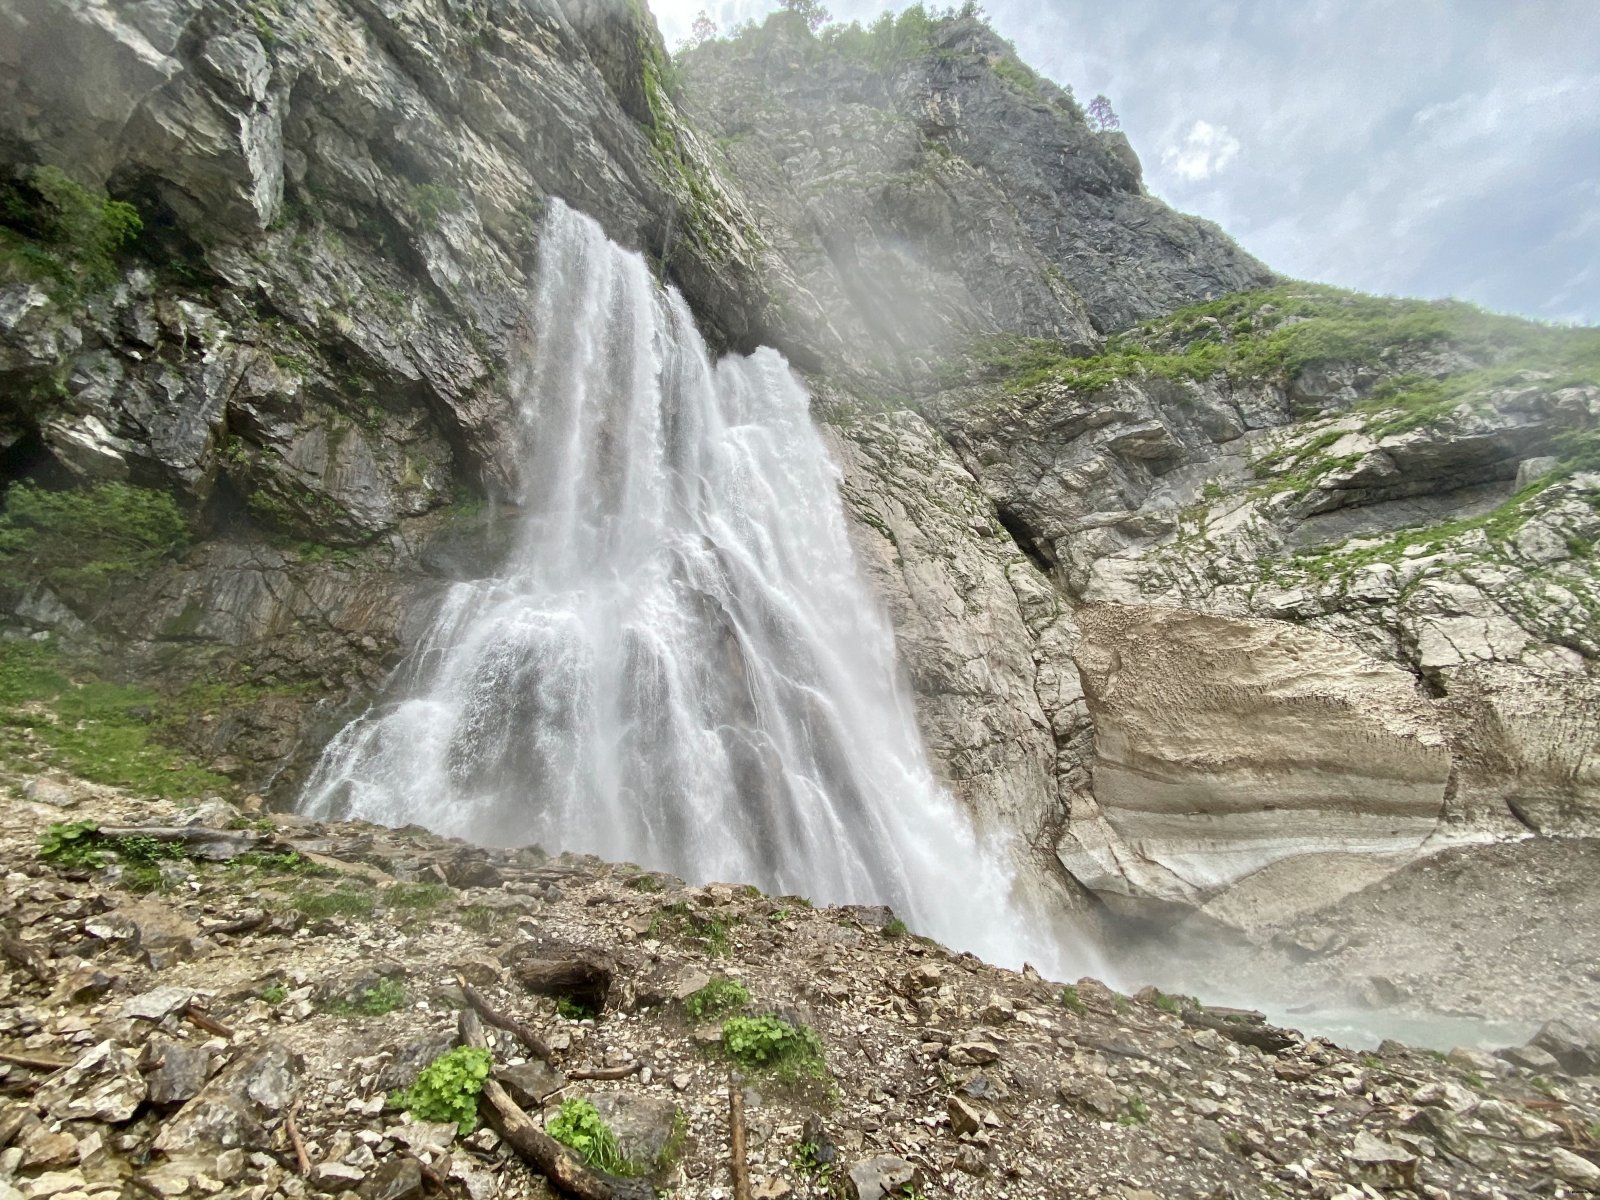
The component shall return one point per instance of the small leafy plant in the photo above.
(895, 928)
(447, 1089)
(569, 1009)
(73, 844)
(378, 1000)
(679, 919)
(773, 1044)
(1137, 1111)
(1175, 1004)
(382, 997)
(808, 1161)
(81, 844)
(287, 862)
(275, 995)
(580, 1127)
(716, 999)
(1072, 1001)
(433, 201)
(147, 851)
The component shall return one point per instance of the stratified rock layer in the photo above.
(1223, 746)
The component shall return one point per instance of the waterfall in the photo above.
(679, 663)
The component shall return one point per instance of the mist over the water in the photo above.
(678, 664)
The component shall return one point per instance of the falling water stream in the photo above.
(678, 664)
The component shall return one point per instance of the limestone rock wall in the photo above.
(1223, 746)
(312, 341)
(1236, 555)
(929, 196)
(974, 622)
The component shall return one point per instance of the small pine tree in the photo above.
(1102, 118)
(703, 29)
(812, 12)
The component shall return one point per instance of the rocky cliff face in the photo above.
(923, 187)
(309, 344)
(1232, 612)
(1315, 614)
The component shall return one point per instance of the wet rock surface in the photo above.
(1030, 538)
(312, 344)
(958, 1078)
(1439, 936)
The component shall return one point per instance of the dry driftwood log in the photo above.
(1240, 1025)
(621, 1072)
(736, 1137)
(523, 1032)
(34, 1062)
(205, 1021)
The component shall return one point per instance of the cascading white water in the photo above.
(679, 665)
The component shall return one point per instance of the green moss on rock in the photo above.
(59, 714)
(86, 539)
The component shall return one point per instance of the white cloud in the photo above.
(1205, 151)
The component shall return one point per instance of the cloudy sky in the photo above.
(1412, 147)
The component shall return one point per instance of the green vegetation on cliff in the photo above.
(893, 40)
(84, 540)
(60, 714)
(57, 232)
(703, 208)
(1280, 332)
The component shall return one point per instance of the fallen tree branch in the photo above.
(201, 1018)
(523, 1032)
(740, 1162)
(32, 1061)
(300, 1156)
(621, 1072)
(549, 1157)
(253, 920)
(1239, 1025)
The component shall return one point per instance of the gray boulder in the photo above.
(240, 1107)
